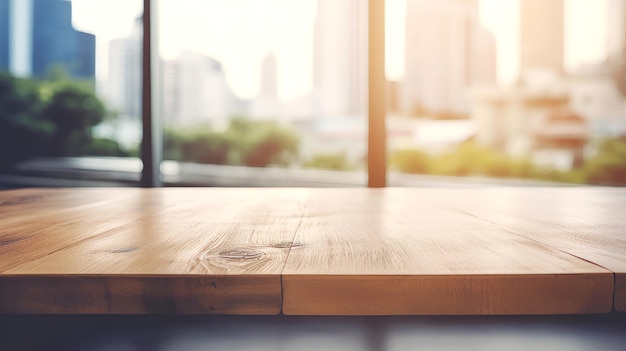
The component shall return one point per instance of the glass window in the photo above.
(499, 92)
(506, 92)
(266, 93)
(69, 92)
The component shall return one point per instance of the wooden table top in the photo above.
(328, 251)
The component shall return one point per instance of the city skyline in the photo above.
(447, 51)
(243, 67)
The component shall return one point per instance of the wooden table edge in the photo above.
(480, 294)
(253, 294)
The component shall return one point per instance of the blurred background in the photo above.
(274, 93)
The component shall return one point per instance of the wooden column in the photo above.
(377, 148)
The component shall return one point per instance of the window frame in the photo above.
(151, 143)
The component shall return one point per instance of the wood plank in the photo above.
(52, 220)
(400, 251)
(509, 294)
(178, 241)
(28, 204)
(356, 251)
(133, 294)
(585, 222)
(50, 207)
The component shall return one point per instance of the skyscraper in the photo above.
(123, 91)
(541, 36)
(37, 35)
(340, 57)
(269, 76)
(617, 42)
(198, 90)
(266, 104)
(4, 35)
(446, 52)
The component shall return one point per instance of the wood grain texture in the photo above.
(588, 223)
(36, 223)
(446, 294)
(28, 205)
(354, 249)
(171, 239)
(335, 251)
(131, 294)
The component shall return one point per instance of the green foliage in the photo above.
(270, 144)
(472, 159)
(576, 176)
(73, 111)
(47, 118)
(105, 147)
(334, 161)
(22, 130)
(72, 108)
(410, 161)
(522, 168)
(467, 159)
(608, 166)
(245, 142)
(200, 145)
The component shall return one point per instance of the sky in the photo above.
(240, 32)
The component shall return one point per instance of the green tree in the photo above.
(336, 161)
(271, 145)
(51, 117)
(472, 159)
(73, 111)
(608, 166)
(244, 142)
(410, 161)
(23, 132)
(105, 147)
(201, 145)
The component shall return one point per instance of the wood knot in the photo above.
(287, 245)
(125, 249)
(240, 253)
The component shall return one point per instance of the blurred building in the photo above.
(531, 122)
(483, 51)
(197, 91)
(616, 22)
(594, 94)
(550, 116)
(123, 88)
(4, 34)
(446, 53)
(340, 58)
(266, 104)
(598, 91)
(541, 40)
(37, 36)
(534, 118)
(616, 43)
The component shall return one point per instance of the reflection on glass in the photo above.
(260, 86)
(507, 89)
(58, 91)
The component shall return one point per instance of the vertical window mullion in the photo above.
(151, 140)
(376, 143)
